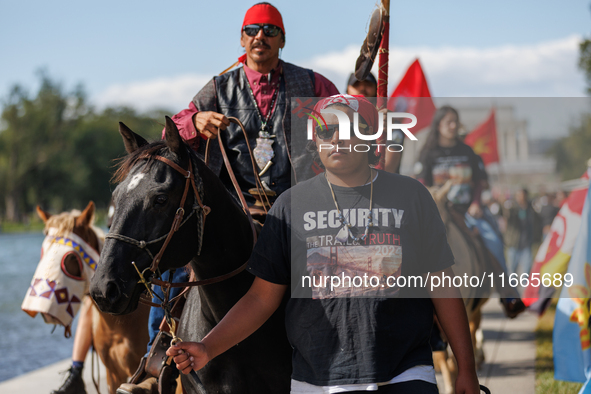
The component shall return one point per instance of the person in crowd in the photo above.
(550, 205)
(348, 339)
(369, 88)
(366, 88)
(258, 92)
(521, 233)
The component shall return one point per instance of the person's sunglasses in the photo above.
(325, 132)
(269, 30)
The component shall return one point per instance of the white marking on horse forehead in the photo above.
(135, 181)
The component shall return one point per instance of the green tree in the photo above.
(573, 152)
(58, 152)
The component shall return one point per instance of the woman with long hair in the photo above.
(445, 157)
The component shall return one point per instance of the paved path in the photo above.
(43, 380)
(510, 351)
(509, 348)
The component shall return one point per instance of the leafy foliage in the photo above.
(57, 151)
(573, 152)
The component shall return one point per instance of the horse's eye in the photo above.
(161, 199)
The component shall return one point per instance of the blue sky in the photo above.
(156, 53)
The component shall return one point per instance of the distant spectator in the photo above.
(550, 207)
(521, 234)
(366, 88)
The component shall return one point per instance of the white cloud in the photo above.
(172, 93)
(544, 69)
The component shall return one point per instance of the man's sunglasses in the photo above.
(269, 30)
(325, 132)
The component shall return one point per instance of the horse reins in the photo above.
(178, 221)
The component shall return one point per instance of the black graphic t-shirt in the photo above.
(458, 163)
(347, 334)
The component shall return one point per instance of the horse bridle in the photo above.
(178, 222)
(178, 217)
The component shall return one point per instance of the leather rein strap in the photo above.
(177, 222)
(180, 212)
(258, 183)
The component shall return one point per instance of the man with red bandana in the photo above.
(259, 94)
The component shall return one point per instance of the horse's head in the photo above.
(146, 200)
(69, 255)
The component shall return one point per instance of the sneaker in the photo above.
(73, 383)
(512, 307)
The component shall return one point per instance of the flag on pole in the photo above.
(483, 139)
(571, 336)
(556, 249)
(412, 95)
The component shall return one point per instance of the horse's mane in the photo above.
(126, 163)
(65, 221)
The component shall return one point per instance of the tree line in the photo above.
(58, 151)
(573, 151)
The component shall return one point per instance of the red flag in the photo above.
(412, 95)
(483, 139)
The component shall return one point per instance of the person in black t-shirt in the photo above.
(351, 221)
(445, 157)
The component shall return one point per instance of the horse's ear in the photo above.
(86, 217)
(131, 140)
(42, 214)
(173, 138)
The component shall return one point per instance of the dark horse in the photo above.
(147, 197)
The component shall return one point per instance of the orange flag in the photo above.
(412, 95)
(483, 139)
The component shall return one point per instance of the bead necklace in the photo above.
(345, 232)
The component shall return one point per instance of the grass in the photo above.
(545, 383)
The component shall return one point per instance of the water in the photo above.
(26, 344)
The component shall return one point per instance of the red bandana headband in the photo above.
(263, 14)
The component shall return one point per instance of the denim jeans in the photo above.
(519, 257)
(157, 314)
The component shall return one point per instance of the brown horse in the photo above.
(60, 287)
(470, 257)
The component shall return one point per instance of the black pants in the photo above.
(410, 387)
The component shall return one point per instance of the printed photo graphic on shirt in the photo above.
(356, 269)
(459, 171)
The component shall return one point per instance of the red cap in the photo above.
(263, 13)
(357, 103)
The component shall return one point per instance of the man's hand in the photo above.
(467, 383)
(188, 356)
(475, 210)
(208, 122)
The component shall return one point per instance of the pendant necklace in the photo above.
(263, 152)
(345, 232)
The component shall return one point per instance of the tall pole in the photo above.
(384, 53)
